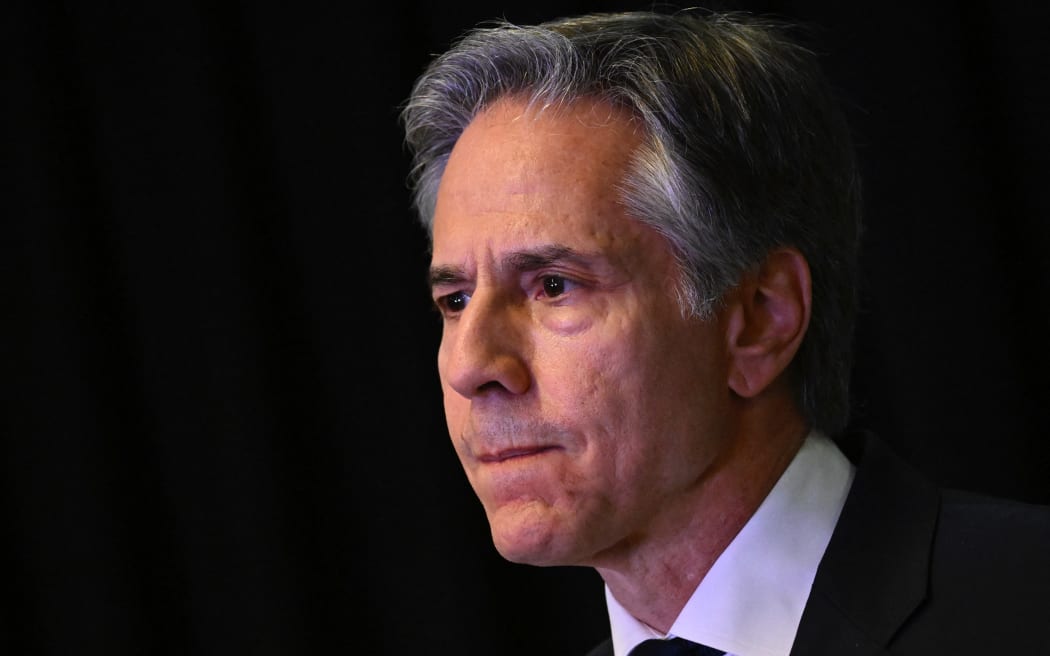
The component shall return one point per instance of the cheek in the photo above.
(442, 355)
(595, 385)
(456, 409)
(456, 406)
(650, 386)
(581, 375)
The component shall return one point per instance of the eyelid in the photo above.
(443, 300)
(445, 281)
(572, 283)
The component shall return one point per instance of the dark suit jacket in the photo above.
(912, 570)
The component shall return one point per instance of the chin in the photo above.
(533, 536)
(528, 554)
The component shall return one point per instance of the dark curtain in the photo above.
(223, 431)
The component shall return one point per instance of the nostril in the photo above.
(491, 385)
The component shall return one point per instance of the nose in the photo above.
(484, 350)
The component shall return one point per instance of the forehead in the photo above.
(518, 174)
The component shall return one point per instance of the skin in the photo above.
(597, 423)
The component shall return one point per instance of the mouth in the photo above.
(514, 454)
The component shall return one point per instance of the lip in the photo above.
(514, 454)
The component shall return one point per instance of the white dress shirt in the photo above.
(751, 600)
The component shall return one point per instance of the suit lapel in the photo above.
(875, 571)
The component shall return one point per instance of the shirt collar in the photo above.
(751, 600)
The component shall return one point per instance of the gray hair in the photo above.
(745, 151)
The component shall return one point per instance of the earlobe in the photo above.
(766, 320)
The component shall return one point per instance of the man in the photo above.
(644, 232)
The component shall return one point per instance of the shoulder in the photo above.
(987, 571)
(973, 513)
(917, 569)
(973, 538)
(991, 543)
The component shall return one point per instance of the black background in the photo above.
(223, 433)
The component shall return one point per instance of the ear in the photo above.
(767, 317)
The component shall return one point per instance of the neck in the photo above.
(654, 578)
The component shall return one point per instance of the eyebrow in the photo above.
(519, 261)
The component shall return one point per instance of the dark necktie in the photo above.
(674, 647)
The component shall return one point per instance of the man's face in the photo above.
(582, 404)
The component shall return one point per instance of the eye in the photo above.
(453, 303)
(555, 286)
